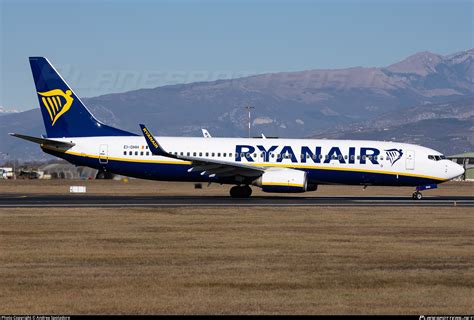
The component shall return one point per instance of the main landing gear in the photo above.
(240, 192)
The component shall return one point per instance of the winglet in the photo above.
(206, 133)
(153, 145)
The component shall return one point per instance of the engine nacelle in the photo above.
(283, 180)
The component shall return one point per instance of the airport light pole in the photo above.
(249, 108)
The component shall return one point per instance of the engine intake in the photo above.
(282, 180)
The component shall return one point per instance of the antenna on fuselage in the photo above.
(249, 108)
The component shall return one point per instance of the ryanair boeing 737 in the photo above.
(275, 165)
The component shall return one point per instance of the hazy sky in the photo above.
(114, 46)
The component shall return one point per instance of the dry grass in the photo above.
(298, 260)
(144, 187)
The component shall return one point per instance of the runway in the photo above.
(111, 201)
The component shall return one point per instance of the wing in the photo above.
(210, 167)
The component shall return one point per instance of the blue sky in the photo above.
(115, 46)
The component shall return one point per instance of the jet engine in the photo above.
(282, 180)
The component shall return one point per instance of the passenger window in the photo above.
(352, 157)
(194, 154)
(230, 155)
(147, 153)
(125, 153)
(130, 153)
(218, 154)
(182, 153)
(273, 155)
(345, 157)
(141, 153)
(200, 154)
(224, 154)
(207, 154)
(136, 153)
(254, 155)
(213, 154)
(188, 154)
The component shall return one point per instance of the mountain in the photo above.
(4, 111)
(447, 127)
(287, 104)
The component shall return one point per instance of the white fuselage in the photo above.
(327, 161)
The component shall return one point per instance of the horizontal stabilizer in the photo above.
(43, 141)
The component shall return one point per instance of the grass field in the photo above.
(231, 260)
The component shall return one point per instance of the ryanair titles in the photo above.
(351, 155)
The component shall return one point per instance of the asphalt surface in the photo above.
(110, 201)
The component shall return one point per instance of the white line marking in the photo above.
(61, 205)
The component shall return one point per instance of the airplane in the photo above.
(274, 165)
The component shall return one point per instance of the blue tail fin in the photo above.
(64, 114)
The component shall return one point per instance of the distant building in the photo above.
(66, 171)
(467, 161)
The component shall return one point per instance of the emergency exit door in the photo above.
(104, 154)
(410, 160)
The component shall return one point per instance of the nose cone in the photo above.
(455, 170)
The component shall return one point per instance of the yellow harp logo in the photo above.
(56, 102)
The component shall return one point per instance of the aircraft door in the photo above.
(410, 160)
(104, 154)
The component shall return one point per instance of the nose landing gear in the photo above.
(417, 194)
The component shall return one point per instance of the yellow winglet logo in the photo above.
(150, 137)
(56, 102)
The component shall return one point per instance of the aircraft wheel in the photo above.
(235, 192)
(247, 191)
(100, 175)
(417, 195)
(240, 191)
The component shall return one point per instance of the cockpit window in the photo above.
(436, 157)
